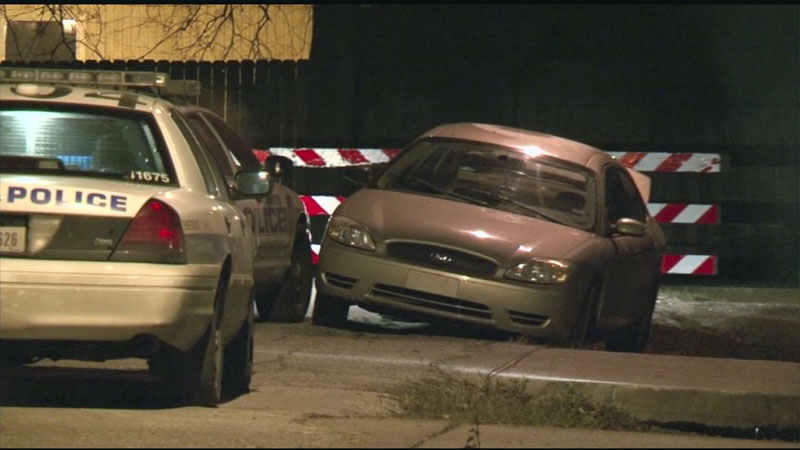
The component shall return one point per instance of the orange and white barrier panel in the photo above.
(330, 157)
(669, 162)
(689, 265)
(684, 213)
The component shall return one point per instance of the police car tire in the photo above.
(329, 311)
(206, 386)
(190, 376)
(294, 296)
(238, 370)
(195, 376)
(265, 296)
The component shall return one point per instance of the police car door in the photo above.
(268, 214)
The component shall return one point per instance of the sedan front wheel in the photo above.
(330, 311)
(586, 318)
(633, 338)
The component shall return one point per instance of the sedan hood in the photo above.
(505, 237)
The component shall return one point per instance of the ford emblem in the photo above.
(441, 258)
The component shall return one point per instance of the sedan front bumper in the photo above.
(370, 280)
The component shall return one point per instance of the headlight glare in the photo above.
(542, 271)
(350, 233)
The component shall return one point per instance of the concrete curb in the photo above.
(707, 391)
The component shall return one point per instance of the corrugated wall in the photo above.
(142, 31)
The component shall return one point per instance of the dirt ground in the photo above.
(706, 321)
(727, 322)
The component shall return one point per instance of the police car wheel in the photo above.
(265, 296)
(206, 388)
(195, 376)
(238, 370)
(294, 296)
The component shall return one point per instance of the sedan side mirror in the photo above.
(629, 227)
(250, 182)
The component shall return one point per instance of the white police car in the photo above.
(118, 236)
(282, 266)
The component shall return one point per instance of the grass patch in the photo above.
(506, 402)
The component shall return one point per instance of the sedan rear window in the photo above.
(497, 177)
(90, 142)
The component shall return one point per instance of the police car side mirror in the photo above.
(363, 175)
(280, 168)
(250, 182)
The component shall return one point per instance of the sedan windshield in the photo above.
(497, 177)
(82, 142)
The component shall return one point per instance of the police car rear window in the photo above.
(90, 142)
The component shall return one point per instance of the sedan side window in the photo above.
(622, 197)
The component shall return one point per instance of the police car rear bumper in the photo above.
(102, 301)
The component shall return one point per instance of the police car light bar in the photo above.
(91, 77)
(181, 87)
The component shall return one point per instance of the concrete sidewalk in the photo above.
(713, 392)
(733, 395)
(402, 433)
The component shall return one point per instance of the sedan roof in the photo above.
(524, 140)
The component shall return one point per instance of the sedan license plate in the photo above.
(12, 239)
(435, 284)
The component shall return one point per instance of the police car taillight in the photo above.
(154, 235)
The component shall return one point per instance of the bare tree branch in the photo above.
(173, 31)
(181, 26)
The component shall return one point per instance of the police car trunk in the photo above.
(92, 243)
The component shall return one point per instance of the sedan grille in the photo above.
(432, 301)
(432, 256)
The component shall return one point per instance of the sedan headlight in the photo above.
(543, 271)
(351, 233)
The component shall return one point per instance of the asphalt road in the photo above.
(307, 393)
